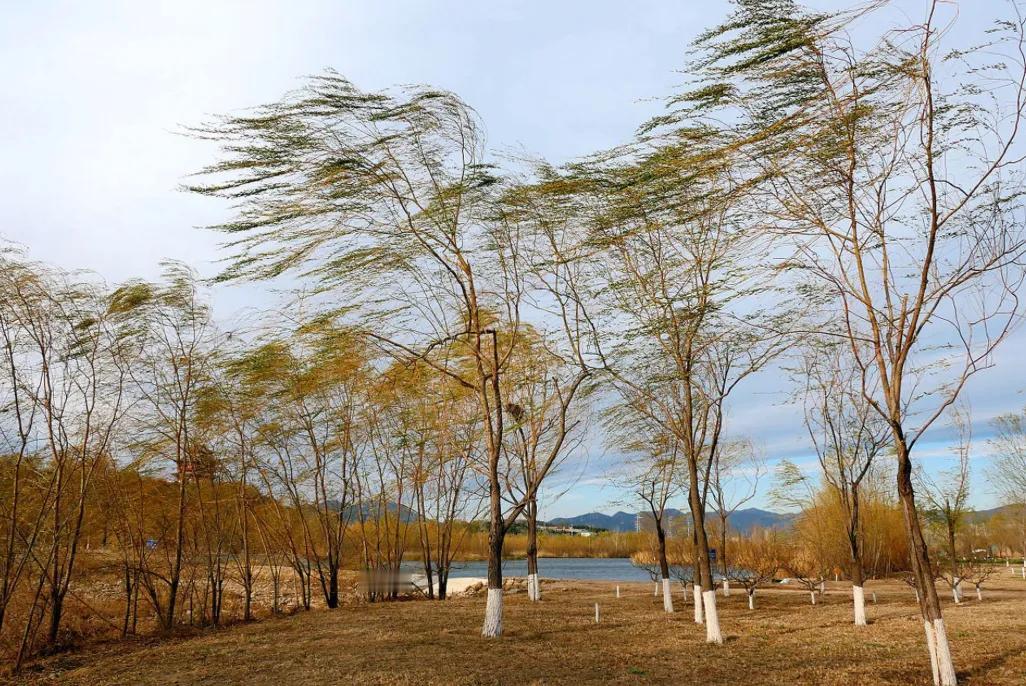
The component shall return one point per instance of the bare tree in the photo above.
(848, 436)
(947, 499)
(1008, 470)
(733, 481)
(653, 476)
(899, 184)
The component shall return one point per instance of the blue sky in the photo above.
(94, 94)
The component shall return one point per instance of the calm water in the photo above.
(587, 568)
(601, 569)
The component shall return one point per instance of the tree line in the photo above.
(841, 206)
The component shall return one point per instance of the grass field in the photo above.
(784, 641)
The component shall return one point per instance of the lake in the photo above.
(590, 568)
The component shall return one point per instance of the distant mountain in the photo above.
(742, 520)
(983, 515)
(406, 514)
(621, 521)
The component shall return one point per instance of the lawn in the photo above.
(785, 640)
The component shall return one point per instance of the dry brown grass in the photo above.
(784, 641)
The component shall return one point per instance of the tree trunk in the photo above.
(664, 566)
(493, 606)
(332, 596)
(533, 587)
(859, 597)
(858, 593)
(712, 619)
(929, 603)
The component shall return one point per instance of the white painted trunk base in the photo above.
(859, 599)
(533, 587)
(667, 596)
(945, 665)
(699, 614)
(812, 594)
(712, 618)
(493, 614)
(726, 588)
(979, 593)
(751, 600)
(931, 646)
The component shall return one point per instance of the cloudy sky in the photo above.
(94, 95)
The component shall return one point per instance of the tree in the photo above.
(848, 435)
(947, 497)
(898, 182)
(541, 435)
(757, 560)
(64, 381)
(386, 200)
(654, 479)
(172, 322)
(670, 269)
(733, 481)
(1008, 469)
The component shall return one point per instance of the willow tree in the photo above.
(175, 339)
(384, 202)
(894, 164)
(675, 281)
(63, 390)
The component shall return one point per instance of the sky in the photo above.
(95, 96)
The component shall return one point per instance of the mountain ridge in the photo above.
(744, 520)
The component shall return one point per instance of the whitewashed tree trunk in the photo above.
(617, 591)
(684, 590)
(931, 644)
(667, 596)
(859, 599)
(699, 614)
(655, 588)
(712, 618)
(979, 593)
(812, 594)
(726, 588)
(493, 614)
(945, 665)
(956, 592)
(533, 587)
(751, 599)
